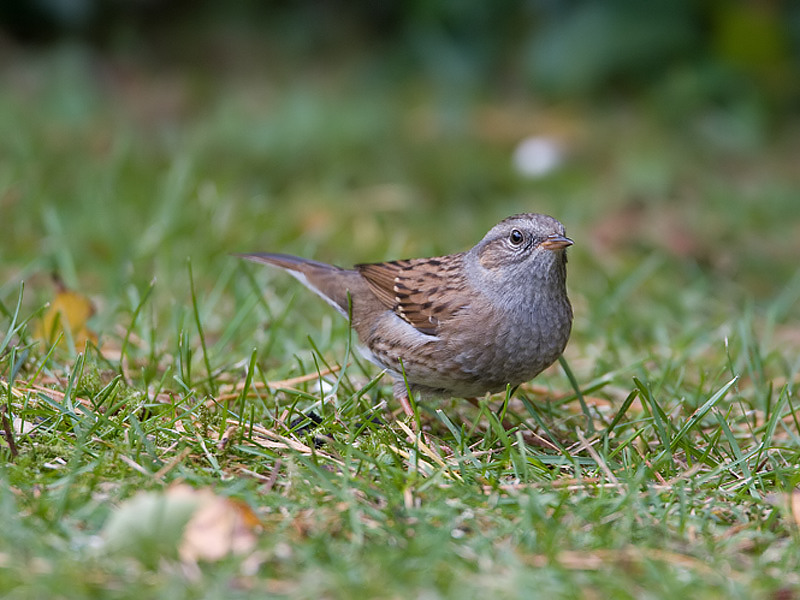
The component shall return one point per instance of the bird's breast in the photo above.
(516, 344)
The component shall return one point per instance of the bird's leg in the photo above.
(406, 404)
(401, 395)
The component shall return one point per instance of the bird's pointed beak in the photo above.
(556, 242)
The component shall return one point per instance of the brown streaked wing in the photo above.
(424, 291)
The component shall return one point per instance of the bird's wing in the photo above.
(425, 292)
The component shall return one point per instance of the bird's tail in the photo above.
(331, 283)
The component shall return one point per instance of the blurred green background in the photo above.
(138, 134)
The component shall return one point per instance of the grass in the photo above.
(135, 185)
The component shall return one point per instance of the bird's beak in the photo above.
(556, 242)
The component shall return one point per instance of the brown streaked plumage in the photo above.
(458, 325)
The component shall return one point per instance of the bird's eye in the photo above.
(516, 237)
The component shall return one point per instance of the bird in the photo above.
(461, 325)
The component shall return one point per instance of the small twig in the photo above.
(647, 462)
(255, 475)
(273, 477)
(9, 433)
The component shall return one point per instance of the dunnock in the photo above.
(458, 325)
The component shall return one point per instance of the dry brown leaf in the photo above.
(218, 527)
(194, 524)
(794, 505)
(226, 437)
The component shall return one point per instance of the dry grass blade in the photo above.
(17, 391)
(276, 441)
(134, 465)
(603, 559)
(236, 390)
(428, 451)
(53, 394)
(423, 466)
(596, 457)
(162, 472)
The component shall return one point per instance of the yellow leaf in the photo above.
(67, 314)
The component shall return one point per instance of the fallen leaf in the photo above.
(191, 524)
(149, 525)
(794, 505)
(788, 502)
(67, 314)
(226, 437)
(219, 527)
